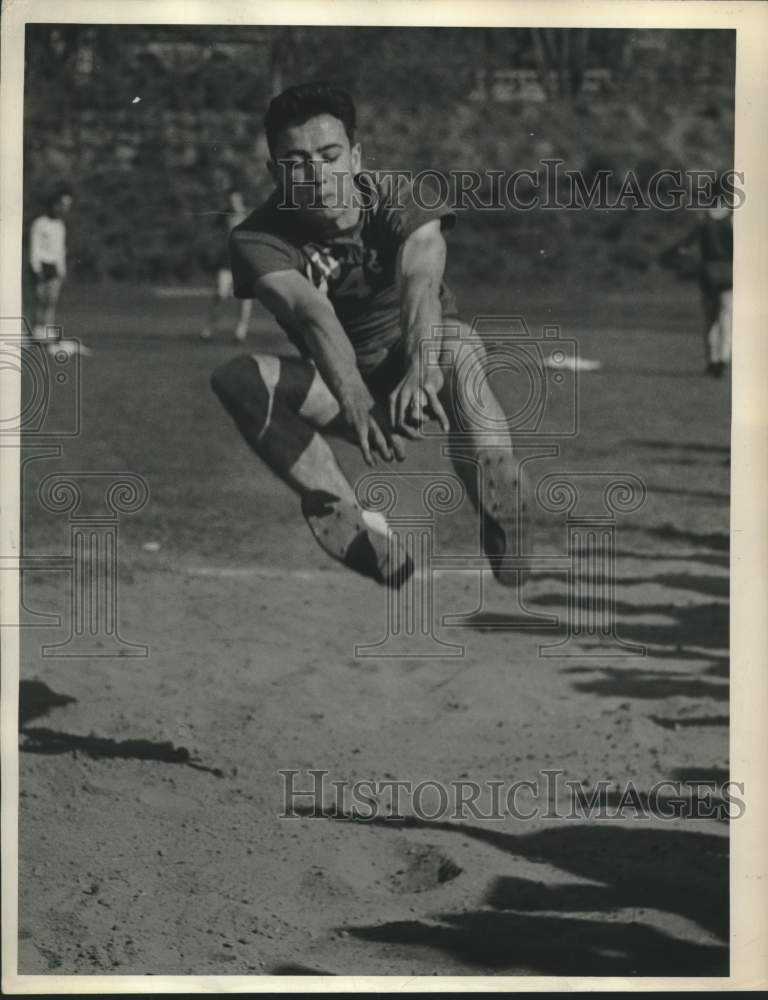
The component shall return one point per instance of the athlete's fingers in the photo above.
(386, 426)
(403, 402)
(416, 413)
(437, 408)
(398, 446)
(364, 446)
(409, 431)
(393, 397)
(412, 409)
(379, 441)
(399, 402)
(414, 433)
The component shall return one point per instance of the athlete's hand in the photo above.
(416, 399)
(357, 408)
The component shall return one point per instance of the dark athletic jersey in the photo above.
(355, 268)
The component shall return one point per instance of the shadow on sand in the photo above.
(576, 929)
(36, 699)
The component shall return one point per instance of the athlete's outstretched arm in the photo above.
(422, 264)
(297, 304)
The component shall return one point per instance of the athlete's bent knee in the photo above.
(241, 388)
(225, 378)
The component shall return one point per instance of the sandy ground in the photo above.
(151, 835)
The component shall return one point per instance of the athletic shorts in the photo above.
(47, 285)
(388, 373)
(381, 369)
(48, 272)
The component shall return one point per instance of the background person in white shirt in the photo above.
(48, 260)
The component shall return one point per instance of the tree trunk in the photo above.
(542, 60)
(278, 59)
(579, 65)
(564, 68)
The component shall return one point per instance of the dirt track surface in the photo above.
(151, 839)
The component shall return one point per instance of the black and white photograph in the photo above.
(370, 397)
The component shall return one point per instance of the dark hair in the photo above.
(304, 101)
(56, 195)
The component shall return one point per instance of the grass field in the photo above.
(150, 837)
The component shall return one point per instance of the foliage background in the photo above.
(150, 175)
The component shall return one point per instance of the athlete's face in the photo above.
(314, 164)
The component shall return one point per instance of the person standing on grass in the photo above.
(351, 267)
(48, 263)
(223, 291)
(711, 238)
(716, 282)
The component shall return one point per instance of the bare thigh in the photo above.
(297, 383)
(224, 283)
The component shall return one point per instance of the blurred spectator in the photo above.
(48, 262)
(711, 239)
(223, 290)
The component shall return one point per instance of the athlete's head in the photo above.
(311, 137)
(59, 203)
